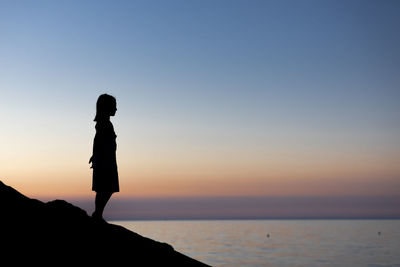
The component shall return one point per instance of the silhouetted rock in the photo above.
(57, 233)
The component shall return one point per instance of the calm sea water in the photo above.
(290, 242)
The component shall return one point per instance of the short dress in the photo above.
(105, 171)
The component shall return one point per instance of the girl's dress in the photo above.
(105, 172)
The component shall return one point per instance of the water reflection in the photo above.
(291, 242)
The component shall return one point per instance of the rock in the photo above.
(57, 233)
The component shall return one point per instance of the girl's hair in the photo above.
(105, 104)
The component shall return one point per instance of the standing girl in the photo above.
(104, 163)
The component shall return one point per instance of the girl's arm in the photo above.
(98, 149)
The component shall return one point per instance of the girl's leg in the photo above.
(100, 203)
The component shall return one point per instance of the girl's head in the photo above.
(106, 106)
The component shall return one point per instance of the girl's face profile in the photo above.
(113, 109)
(106, 106)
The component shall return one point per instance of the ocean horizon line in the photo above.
(256, 219)
(251, 208)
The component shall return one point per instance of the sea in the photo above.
(279, 242)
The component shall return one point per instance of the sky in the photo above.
(218, 102)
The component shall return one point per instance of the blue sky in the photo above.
(268, 56)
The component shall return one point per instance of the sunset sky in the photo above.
(218, 100)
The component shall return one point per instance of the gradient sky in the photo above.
(215, 98)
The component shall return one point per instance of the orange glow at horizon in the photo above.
(56, 170)
(201, 179)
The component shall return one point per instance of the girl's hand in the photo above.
(91, 161)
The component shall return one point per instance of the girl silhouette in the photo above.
(104, 163)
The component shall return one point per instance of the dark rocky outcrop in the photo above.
(58, 233)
